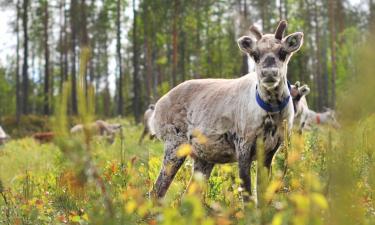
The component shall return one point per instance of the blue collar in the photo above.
(272, 108)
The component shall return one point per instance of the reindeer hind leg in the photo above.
(170, 167)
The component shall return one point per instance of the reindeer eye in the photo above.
(282, 54)
(255, 55)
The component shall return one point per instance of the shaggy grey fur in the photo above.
(225, 113)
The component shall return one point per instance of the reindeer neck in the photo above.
(276, 95)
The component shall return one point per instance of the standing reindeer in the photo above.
(230, 113)
(310, 118)
(146, 118)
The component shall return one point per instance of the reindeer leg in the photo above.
(270, 153)
(203, 167)
(170, 167)
(144, 133)
(244, 163)
(301, 127)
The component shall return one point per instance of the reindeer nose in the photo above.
(269, 61)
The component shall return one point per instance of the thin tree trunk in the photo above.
(18, 93)
(120, 103)
(84, 42)
(148, 67)
(286, 11)
(325, 80)
(318, 59)
(106, 94)
(61, 40)
(46, 106)
(65, 41)
(372, 15)
(332, 28)
(136, 83)
(174, 43)
(73, 24)
(25, 75)
(245, 60)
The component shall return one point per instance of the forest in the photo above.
(67, 64)
(137, 51)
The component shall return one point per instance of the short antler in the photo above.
(280, 29)
(256, 32)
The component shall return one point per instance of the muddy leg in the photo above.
(269, 156)
(244, 164)
(144, 133)
(203, 167)
(170, 167)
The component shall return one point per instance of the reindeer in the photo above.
(310, 118)
(3, 136)
(230, 113)
(100, 128)
(146, 118)
(298, 94)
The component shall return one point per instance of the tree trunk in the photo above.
(84, 44)
(136, 83)
(73, 24)
(332, 28)
(318, 70)
(25, 75)
(372, 15)
(148, 65)
(174, 43)
(61, 41)
(65, 41)
(245, 60)
(18, 91)
(119, 61)
(46, 107)
(325, 79)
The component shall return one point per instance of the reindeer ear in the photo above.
(293, 42)
(255, 32)
(246, 44)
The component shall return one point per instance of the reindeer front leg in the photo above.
(245, 154)
(273, 137)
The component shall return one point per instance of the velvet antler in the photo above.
(280, 30)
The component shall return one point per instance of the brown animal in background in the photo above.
(146, 118)
(44, 137)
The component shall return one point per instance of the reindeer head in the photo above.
(271, 53)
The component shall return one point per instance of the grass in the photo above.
(44, 185)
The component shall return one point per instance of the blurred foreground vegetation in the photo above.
(329, 180)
